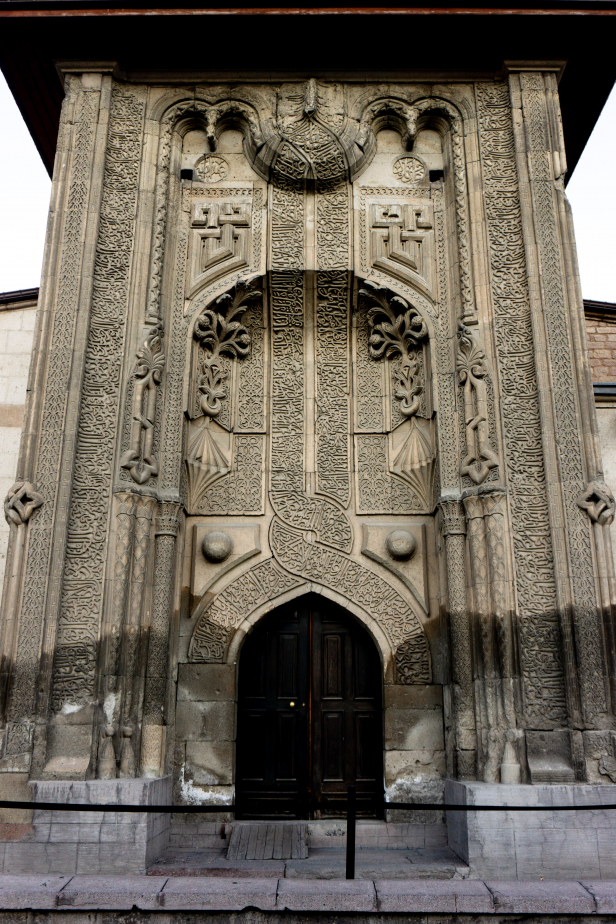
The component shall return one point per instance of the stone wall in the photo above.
(17, 317)
(601, 337)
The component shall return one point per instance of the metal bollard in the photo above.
(350, 845)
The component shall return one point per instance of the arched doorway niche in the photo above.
(309, 713)
(365, 619)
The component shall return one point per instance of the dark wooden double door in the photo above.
(309, 715)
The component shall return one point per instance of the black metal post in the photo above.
(350, 847)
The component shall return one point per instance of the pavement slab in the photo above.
(36, 892)
(552, 896)
(330, 895)
(604, 894)
(442, 897)
(111, 893)
(192, 893)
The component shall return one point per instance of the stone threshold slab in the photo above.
(145, 893)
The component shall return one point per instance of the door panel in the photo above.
(309, 715)
(274, 673)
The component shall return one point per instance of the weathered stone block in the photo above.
(415, 696)
(413, 729)
(110, 893)
(206, 682)
(540, 897)
(198, 721)
(437, 896)
(30, 891)
(209, 763)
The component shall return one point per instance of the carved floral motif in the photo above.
(220, 332)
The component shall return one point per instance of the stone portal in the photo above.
(310, 337)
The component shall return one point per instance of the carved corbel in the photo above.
(138, 458)
(471, 367)
(227, 113)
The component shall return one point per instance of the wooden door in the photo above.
(309, 715)
(272, 728)
(347, 738)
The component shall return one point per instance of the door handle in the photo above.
(291, 705)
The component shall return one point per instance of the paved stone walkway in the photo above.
(322, 863)
(194, 893)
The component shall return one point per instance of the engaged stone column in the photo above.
(454, 532)
(153, 731)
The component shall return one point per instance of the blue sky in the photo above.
(25, 189)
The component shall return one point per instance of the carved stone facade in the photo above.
(304, 337)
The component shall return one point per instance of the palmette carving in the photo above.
(398, 332)
(139, 458)
(220, 333)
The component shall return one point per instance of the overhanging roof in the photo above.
(386, 43)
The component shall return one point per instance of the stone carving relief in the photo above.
(563, 388)
(79, 123)
(401, 242)
(262, 583)
(220, 333)
(540, 649)
(410, 169)
(20, 503)
(82, 587)
(472, 371)
(139, 459)
(598, 502)
(220, 238)
(314, 145)
(397, 334)
(211, 168)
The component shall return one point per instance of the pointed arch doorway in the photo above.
(309, 715)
